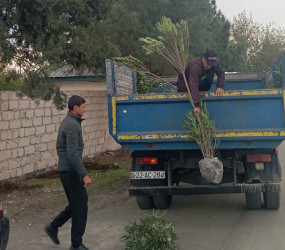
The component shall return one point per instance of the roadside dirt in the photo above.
(40, 195)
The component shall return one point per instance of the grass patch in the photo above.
(102, 170)
(44, 182)
(100, 178)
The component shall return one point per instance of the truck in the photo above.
(249, 117)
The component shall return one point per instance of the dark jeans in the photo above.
(77, 208)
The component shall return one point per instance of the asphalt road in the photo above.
(204, 222)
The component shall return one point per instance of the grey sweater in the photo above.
(69, 145)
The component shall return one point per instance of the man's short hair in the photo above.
(211, 57)
(75, 100)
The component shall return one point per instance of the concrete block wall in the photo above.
(28, 131)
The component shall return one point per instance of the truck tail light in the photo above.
(147, 160)
(259, 158)
(276, 151)
(1, 210)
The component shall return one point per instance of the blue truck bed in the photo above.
(248, 118)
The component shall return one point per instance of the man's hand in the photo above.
(197, 111)
(219, 91)
(87, 181)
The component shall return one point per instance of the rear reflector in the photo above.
(259, 158)
(1, 210)
(146, 160)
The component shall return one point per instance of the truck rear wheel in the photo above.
(271, 200)
(253, 200)
(162, 201)
(144, 202)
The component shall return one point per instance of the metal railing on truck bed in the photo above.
(121, 80)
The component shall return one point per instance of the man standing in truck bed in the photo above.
(73, 175)
(199, 74)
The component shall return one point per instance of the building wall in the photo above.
(28, 131)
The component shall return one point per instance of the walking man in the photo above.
(73, 175)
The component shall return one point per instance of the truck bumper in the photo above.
(204, 189)
(4, 232)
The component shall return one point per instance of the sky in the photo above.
(263, 11)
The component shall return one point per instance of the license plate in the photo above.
(148, 175)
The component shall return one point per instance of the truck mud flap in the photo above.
(204, 189)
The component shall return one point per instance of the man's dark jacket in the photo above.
(200, 79)
(69, 145)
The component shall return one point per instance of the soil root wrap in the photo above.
(211, 170)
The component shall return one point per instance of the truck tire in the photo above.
(162, 201)
(144, 202)
(271, 200)
(253, 200)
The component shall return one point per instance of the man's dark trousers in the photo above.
(77, 208)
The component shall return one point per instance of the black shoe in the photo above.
(52, 233)
(81, 247)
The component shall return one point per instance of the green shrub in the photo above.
(152, 233)
(206, 138)
(148, 84)
(145, 84)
